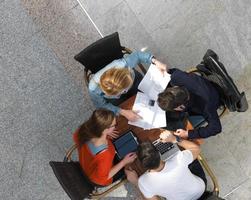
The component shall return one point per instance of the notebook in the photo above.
(125, 144)
(167, 150)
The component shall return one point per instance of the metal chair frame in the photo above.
(208, 170)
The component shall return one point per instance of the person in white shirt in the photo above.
(171, 179)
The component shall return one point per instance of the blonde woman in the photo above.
(118, 81)
(96, 151)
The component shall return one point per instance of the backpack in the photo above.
(214, 71)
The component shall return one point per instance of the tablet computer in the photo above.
(126, 143)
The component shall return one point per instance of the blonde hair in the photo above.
(114, 80)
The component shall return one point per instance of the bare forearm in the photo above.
(114, 170)
(194, 148)
(153, 198)
(167, 136)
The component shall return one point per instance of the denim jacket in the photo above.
(130, 61)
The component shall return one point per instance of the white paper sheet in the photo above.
(152, 115)
(154, 82)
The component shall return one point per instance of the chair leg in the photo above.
(223, 112)
(210, 173)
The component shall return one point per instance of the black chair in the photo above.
(75, 183)
(102, 52)
(214, 71)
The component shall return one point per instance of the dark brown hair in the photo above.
(148, 155)
(172, 97)
(100, 120)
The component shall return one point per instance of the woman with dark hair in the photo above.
(96, 151)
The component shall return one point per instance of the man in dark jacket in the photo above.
(188, 92)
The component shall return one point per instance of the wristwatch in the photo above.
(152, 60)
(178, 139)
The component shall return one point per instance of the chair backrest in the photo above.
(213, 70)
(100, 53)
(72, 179)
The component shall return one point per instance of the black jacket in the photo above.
(204, 100)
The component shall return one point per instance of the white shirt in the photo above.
(175, 181)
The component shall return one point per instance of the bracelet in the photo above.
(152, 60)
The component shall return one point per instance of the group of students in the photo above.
(185, 92)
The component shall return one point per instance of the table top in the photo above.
(140, 133)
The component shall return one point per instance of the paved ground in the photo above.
(43, 97)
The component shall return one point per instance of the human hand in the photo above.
(113, 135)
(161, 66)
(131, 176)
(182, 133)
(129, 158)
(167, 136)
(131, 115)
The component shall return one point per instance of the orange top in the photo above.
(96, 167)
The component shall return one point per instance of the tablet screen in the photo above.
(125, 144)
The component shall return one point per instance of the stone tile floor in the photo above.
(44, 99)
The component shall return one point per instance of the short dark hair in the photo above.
(148, 155)
(172, 97)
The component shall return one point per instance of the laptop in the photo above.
(167, 150)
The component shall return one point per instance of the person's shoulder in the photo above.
(118, 63)
(108, 151)
(92, 85)
(185, 156)
(176, 74)
(94, 81)
(110, 143)
(142, 179)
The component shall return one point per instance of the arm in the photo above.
(153, 198)
(133, 178)
(167, 136)
(129, 158)
(213, 127)
(189, 145)
(161, 66)
(115, 169)
(138, 57)
(142, 57)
